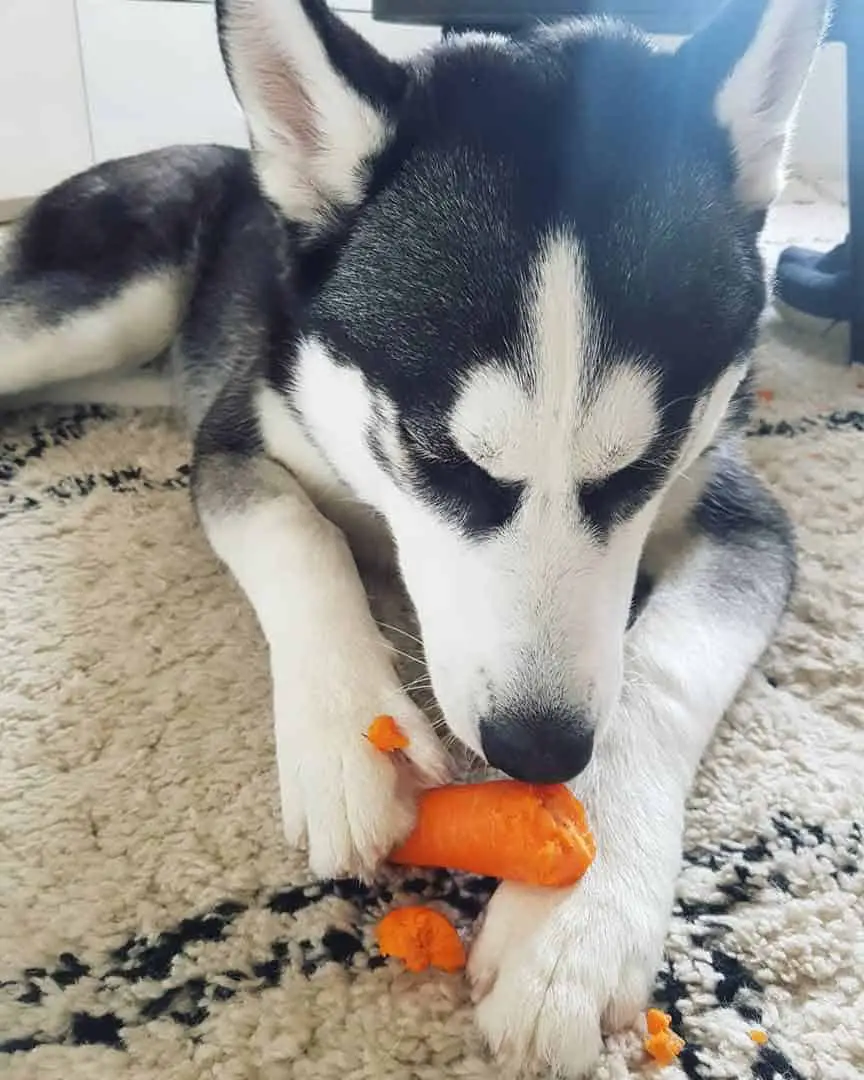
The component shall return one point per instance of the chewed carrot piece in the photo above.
(661, 1043)
(506, 829)
(656, 1021)
(664, 1047)
(422, 938)
(386, 735)
(759, 1037)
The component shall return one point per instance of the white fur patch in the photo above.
(130, 329)
(553, 969)
(310, 129)
(332, 673)
(337, 406)
(758, 102)
(708, 414)
(574, 418)
(287, 442)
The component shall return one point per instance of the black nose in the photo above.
(543, 746)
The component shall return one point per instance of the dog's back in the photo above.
(115, 265)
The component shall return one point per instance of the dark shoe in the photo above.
(816, 284)
(834, 261)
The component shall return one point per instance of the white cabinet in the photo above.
(154, 73)
(154, 76)
(44, 130)
(88, 80)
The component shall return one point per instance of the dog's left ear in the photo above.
(319, 100)
(753, 61)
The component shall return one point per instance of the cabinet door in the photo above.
(44, 132)
(154, 73)
(154, 76)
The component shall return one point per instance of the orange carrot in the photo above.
(664, 1047)
(520, 832)
(421, 938)
(759, 1037)
(765, 395)
(386, 735)
(661, 1043)
(657, 1021)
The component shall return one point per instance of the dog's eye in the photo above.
(615, 497)
(464, 491)
(472, 498)
(426, 445)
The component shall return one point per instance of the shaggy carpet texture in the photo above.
(153, 925)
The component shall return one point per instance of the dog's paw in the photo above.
(344, 801)
(553, 970)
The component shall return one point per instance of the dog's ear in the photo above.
(318, 100)
(752, 61)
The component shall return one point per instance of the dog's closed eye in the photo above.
(461, 486)
(620, 494)
(427, 443)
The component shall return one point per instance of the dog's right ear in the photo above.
(751, 63)
(318, 100)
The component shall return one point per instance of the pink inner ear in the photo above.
(275, 83)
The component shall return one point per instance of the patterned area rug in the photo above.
(152, 925)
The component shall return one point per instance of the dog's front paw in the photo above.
(346, 802)
(554, 969)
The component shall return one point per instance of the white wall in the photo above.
(44, 128)
(154, 76)
(819, 150)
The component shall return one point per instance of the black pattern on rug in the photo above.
(123, 481)
(710, 974)
(17, 453)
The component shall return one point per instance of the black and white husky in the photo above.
(490, 312)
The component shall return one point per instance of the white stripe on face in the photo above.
(553, 418)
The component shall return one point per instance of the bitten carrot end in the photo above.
(386, 735)
(533, 833)
(421, 938)
(504, 829)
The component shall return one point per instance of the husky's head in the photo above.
(531, 286)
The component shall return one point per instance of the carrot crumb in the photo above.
(421, 938)
(661, 1043)
(664, 1047)
(758, 1036)
(765, 395)
(656, 1021)
(386, 735)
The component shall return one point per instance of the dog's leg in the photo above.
(551, 969)
(331, 668)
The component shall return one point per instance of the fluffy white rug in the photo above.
(152, 925)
